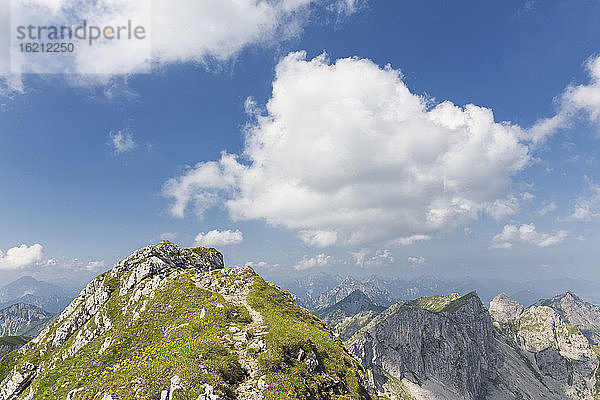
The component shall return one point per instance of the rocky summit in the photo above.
(170, 323)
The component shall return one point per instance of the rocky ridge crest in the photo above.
(173, 323)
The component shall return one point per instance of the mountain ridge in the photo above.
(173, 323)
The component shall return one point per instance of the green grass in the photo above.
(292, 328)
(572, 330)
(7, 363)
(435, 303)
(145, 353)
(443, 303)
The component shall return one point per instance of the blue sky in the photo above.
(68, 188)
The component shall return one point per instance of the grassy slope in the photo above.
(145, 356)
(147, 352)
(292, 328)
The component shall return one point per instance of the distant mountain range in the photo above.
(28, 290)
(321, 290)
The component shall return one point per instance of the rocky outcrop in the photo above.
(23, 319)
(17, 382)
(559, 350)
(455, 346)
(575, 311)
(168, 255)
(504, 309)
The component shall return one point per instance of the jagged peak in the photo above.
(559, 298)
(569, 294)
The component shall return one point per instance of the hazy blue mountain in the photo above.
(28, 290)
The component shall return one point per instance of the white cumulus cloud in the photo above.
(21, 256)
(219, 238)
(526, 233)
(320, 260)
(175, 31)
(95, 265)
(344, 153)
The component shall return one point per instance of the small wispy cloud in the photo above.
(121, 141)
(261, 265)
(168, 236)
(587, 206)
(320, 260)
(95, 265)
(363, 257)
(548, 208)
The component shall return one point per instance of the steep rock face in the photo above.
(23, 319)
(172, 323)
(575, 311)
(454, 346)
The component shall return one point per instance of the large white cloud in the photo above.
(21, 256)
(177, 31)
(344, 153)
(526, 233)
